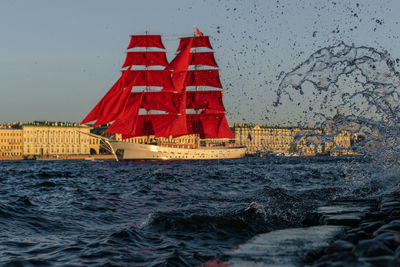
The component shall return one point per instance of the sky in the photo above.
(58, 58)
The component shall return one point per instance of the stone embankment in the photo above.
(373, 239)
(59, 157)
(75, 157)
(4, 158)
(345, 233)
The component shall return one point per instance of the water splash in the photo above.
(364, 83)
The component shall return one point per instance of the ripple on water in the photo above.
(153, 213)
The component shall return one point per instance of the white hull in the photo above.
(125, 150)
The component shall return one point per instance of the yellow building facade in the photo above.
(291, 141)
(184, 141)
(94, 145)
(11, 143)
(256, 138)
(308, 143)
(47, 140)
(342, 143)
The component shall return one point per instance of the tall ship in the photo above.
(162, 101)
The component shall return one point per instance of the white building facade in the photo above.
(55, 140)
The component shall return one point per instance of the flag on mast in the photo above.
(198, 32)
(122, 103)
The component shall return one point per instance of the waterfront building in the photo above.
(55, 139)
(264, 139)
(341, 144)
(11, 143)
(342, 135)
(292, 141)
(184, 141)
(308, 143)
(94, 145)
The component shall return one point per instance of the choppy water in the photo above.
(159, 213)
(186, 213)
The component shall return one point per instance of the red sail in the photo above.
(144, 126)
(122, 106)
(98, 109)
(203, 58)
(161, 78)
(161, 125)
(145, 41)
(194, 125)
(213, 111)
(216, 126)
(205, 100)
(126, 122)
(169, 125)
(203, 78)
(198, 41)
(198, 32)
(167, 101)
(145, 59)
(116, 104)
(209, 125)
(112, 109)
(211, 101)
(180, 66)
(108, 107)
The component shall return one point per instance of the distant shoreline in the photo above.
(60, 157)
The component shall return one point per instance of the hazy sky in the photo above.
(58, 58)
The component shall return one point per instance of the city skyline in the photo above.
(60, 58)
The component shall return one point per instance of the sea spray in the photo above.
(363, 85)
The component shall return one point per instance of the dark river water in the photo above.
(136, 213)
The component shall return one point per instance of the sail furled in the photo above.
(147, 58)
(146, 41)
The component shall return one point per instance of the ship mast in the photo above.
(196, 68)
(197, 111)
(147, 86)
(122, 106)
(147, 68)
